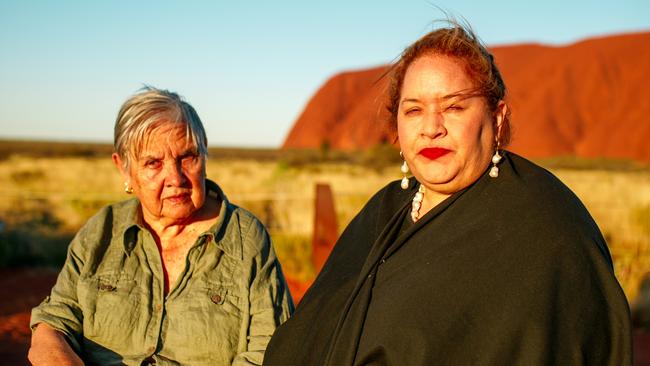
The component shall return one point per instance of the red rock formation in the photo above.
(345, 113)
(588, 99)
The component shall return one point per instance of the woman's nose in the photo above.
(175, 175)
(433, 124)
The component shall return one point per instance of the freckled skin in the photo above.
(437, 110)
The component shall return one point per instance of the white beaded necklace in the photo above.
(417, 203)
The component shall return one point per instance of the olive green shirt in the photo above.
(109, 298)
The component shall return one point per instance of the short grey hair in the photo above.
(147, 110)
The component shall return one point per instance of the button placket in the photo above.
(154, 333)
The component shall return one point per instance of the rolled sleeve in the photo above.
(61, 309)
(270, 299)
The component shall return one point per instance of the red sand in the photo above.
(21, 290)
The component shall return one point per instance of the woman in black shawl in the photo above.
(483, 259)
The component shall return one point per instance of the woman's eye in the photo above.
(453, 108)
(152, 164)
(189, 160)
(412, 111)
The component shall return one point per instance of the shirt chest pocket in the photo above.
(212, 299)
(215, 293)
(208, 312)
(111, 303)
(223, 297)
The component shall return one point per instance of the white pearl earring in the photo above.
(405, 169)
(496, 158)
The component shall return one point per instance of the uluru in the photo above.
(587, 99)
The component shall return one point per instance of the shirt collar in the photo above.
(133, 223)
(217, 232)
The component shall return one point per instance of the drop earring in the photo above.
(496, 158)
(405, 169)
(127, 188)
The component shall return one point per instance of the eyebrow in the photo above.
(463, 94)
(149, 157)
(188, 152)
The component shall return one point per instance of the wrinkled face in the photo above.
(168, 176)
(447, 135)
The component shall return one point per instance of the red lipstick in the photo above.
(433, 153)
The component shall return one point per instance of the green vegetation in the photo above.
(32, 235)
(579, 163)
(52, 149)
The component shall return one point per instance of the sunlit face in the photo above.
(168, 176)
(447, 135)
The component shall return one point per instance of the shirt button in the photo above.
(151, 349)
(158, 308)
(106, 287)
(216, 298)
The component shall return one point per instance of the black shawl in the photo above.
(509, 271)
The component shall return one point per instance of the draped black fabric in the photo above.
(509, 271)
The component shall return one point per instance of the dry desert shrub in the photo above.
(59, 194)
(619, 202)
(294, 253)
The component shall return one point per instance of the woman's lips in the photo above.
(178, 198)
(433, 153)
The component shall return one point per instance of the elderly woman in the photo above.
(175, 275)
(483, 259)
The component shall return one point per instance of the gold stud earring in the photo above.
(127, 188)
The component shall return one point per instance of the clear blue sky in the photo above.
(248, 67)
